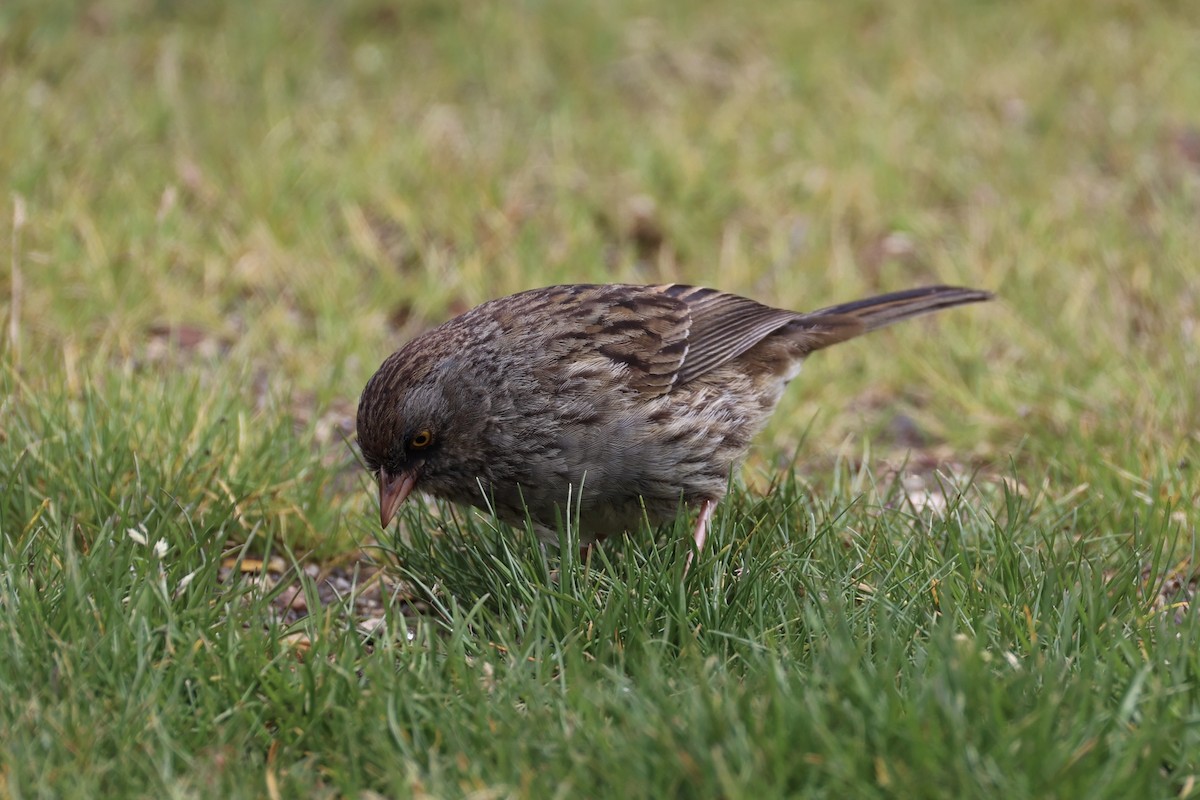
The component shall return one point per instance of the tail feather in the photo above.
(884, 309)
(838, 323)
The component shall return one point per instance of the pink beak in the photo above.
(392, 492)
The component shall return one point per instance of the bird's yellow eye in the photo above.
(421, 440)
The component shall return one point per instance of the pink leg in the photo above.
(700, 535)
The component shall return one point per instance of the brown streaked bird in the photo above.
(624, 401)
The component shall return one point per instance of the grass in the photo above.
(960, 562)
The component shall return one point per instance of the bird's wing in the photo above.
(645, 331)
(589, 328)
(669, 335)
(723, 326)
(663, 336)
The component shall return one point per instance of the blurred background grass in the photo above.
(299, 187)
(220, 216)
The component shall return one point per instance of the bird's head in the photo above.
(412, 418)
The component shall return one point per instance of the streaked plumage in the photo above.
(630, 400)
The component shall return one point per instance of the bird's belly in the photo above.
(635, 462)
(600, 521)
(600, 499)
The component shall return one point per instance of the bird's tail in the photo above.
(841, 322)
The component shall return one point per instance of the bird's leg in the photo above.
(699, 536)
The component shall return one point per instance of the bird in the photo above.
(615, 404)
